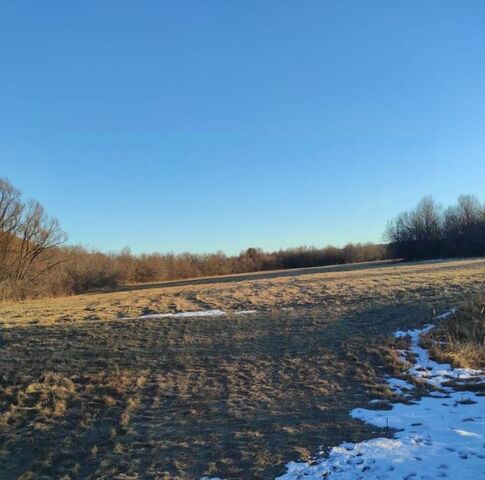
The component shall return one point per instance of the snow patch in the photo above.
(202, 313)
(399, 386)
(440, 436)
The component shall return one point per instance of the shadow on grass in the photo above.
(234, 397)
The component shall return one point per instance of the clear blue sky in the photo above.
(206, 125)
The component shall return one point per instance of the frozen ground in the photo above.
(442, 435)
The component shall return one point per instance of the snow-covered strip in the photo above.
(200, 313)
(440, 436)
(427, 370)
(446, 314)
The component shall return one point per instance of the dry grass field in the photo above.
(87, 390)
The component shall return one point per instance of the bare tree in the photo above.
(428, 232)
(464, 227)
(27, 235)
(38, 233)
(11, 209)
(416, 233)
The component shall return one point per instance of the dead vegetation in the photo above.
(86, 392)
(428, 283)
(459, 339)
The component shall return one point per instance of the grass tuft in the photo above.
(459, 339)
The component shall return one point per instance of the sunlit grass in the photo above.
(459, 339)
(102, 394)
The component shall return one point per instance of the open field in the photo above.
(87, 390)
(263, 275)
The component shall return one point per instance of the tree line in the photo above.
(81, 270)
(431, 231)
(34, 261)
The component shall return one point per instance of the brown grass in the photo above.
(431, 283)
(86, 392)
(460, 338)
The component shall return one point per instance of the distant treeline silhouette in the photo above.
(33, 262)
(429, 231)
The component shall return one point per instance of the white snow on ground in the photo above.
(399, 386)
(439, 436)
(201, 313)
(442, 435)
